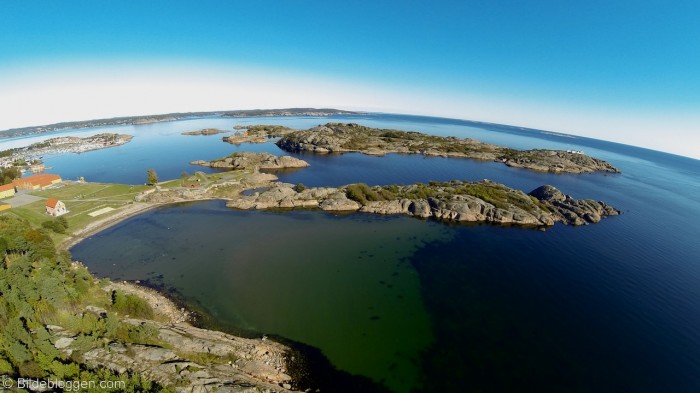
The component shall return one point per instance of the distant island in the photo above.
(341, 138)
(129, 120)
(206, 131)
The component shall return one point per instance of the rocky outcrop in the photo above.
(178, 355)
(200, 360)
(570, 210)
(483, 201)
(339, 138)
(248, 160)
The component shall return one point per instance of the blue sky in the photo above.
(626, 71)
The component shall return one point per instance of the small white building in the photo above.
(55, 208)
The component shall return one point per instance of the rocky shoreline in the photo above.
(340, 138)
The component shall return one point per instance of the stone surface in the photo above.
(225, 362)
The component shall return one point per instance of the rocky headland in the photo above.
(339, 138)
(206, 131)
(457, 201)
(249, 160)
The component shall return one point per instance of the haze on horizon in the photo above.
(627, 72)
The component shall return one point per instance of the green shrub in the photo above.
(131, 305)
(363, 193)
(145, 334)
(57, 225)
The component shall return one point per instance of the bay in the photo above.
(607, 307)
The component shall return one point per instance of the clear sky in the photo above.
(626, 71)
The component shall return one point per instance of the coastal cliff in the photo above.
(457, 201)
(339, 138)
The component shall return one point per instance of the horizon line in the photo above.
(203, 114)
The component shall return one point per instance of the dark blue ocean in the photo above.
(420, 305)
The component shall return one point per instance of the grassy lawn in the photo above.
(80, 199)
(92, 191)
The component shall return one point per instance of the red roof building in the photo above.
(37, 181)
(7, 190)
(54, 207)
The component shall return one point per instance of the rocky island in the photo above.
(457, 201)
(257, 134)
(248, 160)
(339, 138)
(206, 131)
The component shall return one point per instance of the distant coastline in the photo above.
(147, 119)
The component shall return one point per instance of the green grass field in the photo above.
(81, 199)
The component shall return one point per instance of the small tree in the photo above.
(62, 221)
(184, 175)
(152, 176)
(7, 175)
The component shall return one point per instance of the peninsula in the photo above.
(65, 144)
(340, 138)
